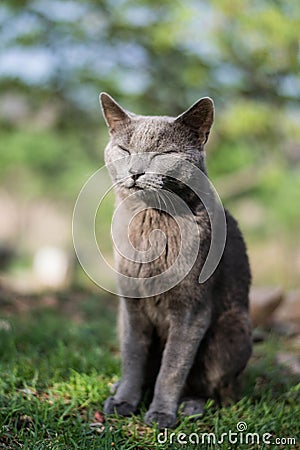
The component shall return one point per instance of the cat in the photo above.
(193, 341)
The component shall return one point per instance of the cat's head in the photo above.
(139, 152)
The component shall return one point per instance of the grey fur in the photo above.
(193, 341)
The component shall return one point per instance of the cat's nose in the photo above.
(135, 176)
(135, 173)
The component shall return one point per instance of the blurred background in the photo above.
(155, 58)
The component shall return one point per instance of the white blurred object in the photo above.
(50, 267)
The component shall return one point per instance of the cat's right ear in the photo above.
(199, 118)
(113, 113)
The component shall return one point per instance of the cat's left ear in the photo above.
(199, 118)
(113, 113)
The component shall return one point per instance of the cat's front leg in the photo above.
(135, 336)
(185, 334)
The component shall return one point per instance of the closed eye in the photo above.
(124, 149)
(171, 152)
(167, 152)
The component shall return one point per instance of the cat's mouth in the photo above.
(131, 183)
(152, 182)
(143, 181)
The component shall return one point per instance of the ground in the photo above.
(59, 358)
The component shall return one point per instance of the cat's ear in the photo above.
(199, 118)
(113, 113)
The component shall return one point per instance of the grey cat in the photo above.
(193, 341)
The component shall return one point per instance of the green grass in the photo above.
(57, 365)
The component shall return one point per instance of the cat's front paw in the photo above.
(162, 420)
(112, 406)
(193, 407)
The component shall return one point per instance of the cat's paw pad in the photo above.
(161, 419)
(112, 406)
(192, 407)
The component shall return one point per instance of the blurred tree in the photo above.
(149, 50)
(159, 57)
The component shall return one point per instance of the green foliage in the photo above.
(231, 157)
(52, 162)
(280, 195)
